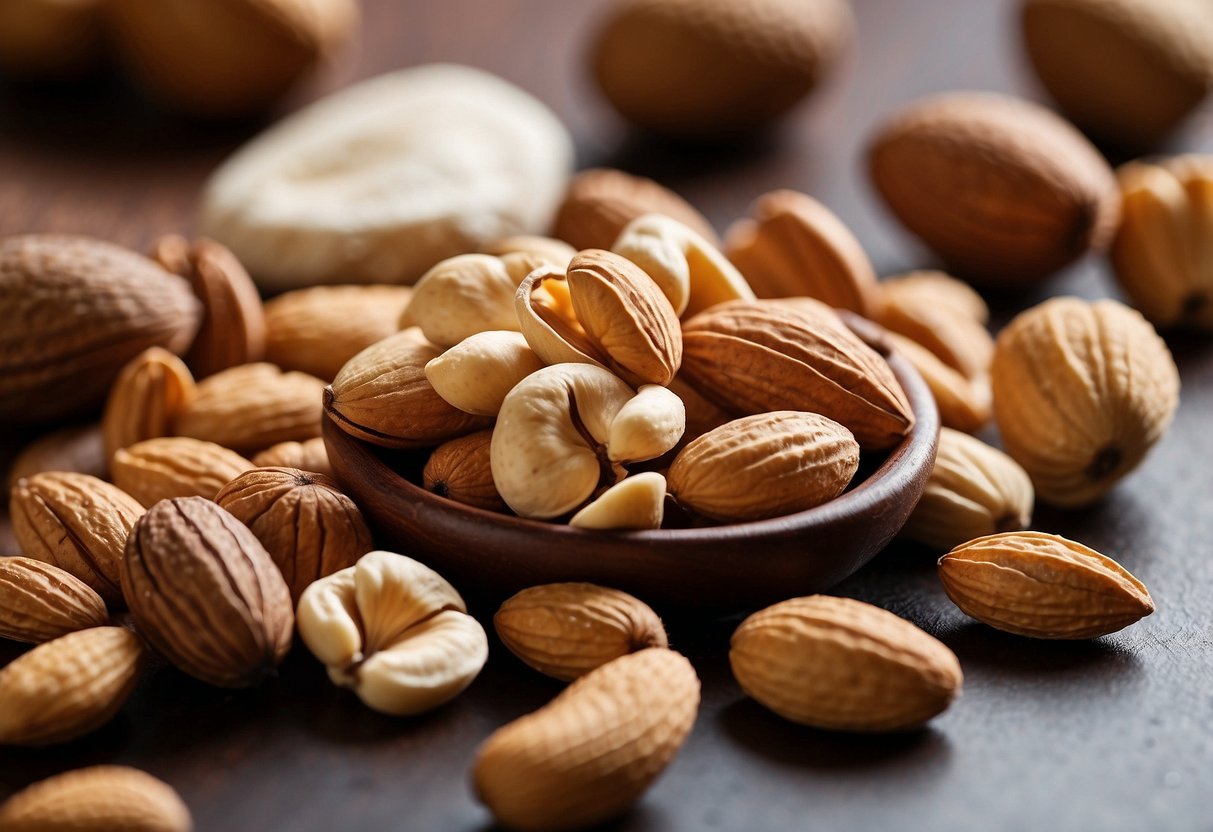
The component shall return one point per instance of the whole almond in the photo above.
(251, 407)
(924, 307)
(40, 602)
(113, 798)
(80, 449)
(206, 594)
(233, 323)
(460, 469)
(1004, 190)
(600, 202)
(594, 749)
(382, 396)
(974, 490)
(77, 310)
(308, 455)
(147, 397)
(758, 356)
(1042, 586)
(964, 404)
(302, 519)
(175, 466)
(317, 330)
(65, 688)
(841, 664)
(567, 630)
(76, 522)
(1081, 392)
(795, 246)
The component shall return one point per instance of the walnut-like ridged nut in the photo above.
(76, 522)
(925, 307)
(302, 519)
(600, 202)
(382, 396)
(794, 246)
(594, 749)
(460, 470)
(250, 407)
(764, 466)
(40, 602)
(1081, 392)
(147, 397)
(1042, 586)
(567, 630)
(206, 594)
(115, 798)
(841, 664)
(65, 688)
(309, 455)
(974, 490)
(175, 466)
(80, 449)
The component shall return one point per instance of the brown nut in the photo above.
(460, 469)
(963, 404)
(114, 798)
(147, 397)
(40, 602)
(50, 38)
(175, 466)
(929, 308)
(309, 455)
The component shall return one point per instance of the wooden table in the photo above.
(1113, 734)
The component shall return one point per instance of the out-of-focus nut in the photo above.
(933, 310)
(147, 397)
(80, 449)
(550, 250)
(175, 466)
(309, 455)
(963, 404)
(114, 798)
(50, 38)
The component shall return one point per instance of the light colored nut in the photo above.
(251, 407)
(382, 396)
(80, 449)
(77, 523)
(316, 330)
(554, 252)
(65, 688)
(927, 309)
(1042, 586)
(40, 602)
(594, 749)
(309, 455)
(476, 374)
(464, 295)
(395, 632)
(793, 246)
(647, 426)
(460, 469)
(950, 293)
(964, 404)
(233, 323)
(974, 490)
(175, 466)
(114, 798)
(841, 664)
(147, 397)
(636, 502)
(567, 630)
(1081, 392)
(205, 593)
(691, 272)
(302, 519)
(758, 356)
(764, 466)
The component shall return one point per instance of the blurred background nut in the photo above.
(115, 798)
(243, 54)
(309, 455)
(932, 308)
(80, 449)
(709, 69)
(1126, 71)
(964, 404)
(145, 400)
(175, 466)
(50, 38)
(600, 202)
(460, 470)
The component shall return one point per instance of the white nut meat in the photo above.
(647, 426)
(476, 374)
(394, 631)
(467, 294)
(637, 502)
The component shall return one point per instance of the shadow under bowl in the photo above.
(732, 567)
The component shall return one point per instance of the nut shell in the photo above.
(113, 798)
(175, 466)
(147, 397)
(309, 455)
(460, 469)
(40, 602)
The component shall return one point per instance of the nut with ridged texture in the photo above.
(461, 471)
(175, 466)
(147, 397)
(1082, 391)
(302, 519)
(593, 750)
(40, 602)
(113, 798)
(715, 69)
(309, 455)
(942, 314)
(205, 593)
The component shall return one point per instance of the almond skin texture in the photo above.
(567, 630)
(175, 466)
(1004, 190)
(65, 688)
(309, 455)
(926, 307)
(76, 522)
(600, 202)
(40, 602)
(963, 404)
(304, 521)
(841, 664)
(78, 310)
(593, 750)
(147, 397)
(1081, 392)
(1042, 586)
(460, 470)
(753, 357)
(206, 594)
(113, 798)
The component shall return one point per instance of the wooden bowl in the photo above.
(734, 567)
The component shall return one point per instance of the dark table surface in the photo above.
(1112, 734)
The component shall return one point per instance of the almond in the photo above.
(934, 310)
(40, 602)
(964, 404)
(113, 798)
(460, 470)
(147, 397)
(308, 455)
(842, 664)
(1042, 586)
(175, 466)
